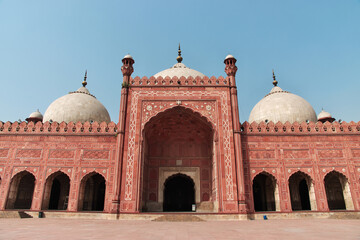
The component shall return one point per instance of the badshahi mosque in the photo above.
(178, 146)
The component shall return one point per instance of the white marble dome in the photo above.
(36, 114)
(323, 115)
(77, 106)
(280, 105)
(179, 70)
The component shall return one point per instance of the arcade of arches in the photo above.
(56, 192)
(302, 194)
(178, 141)
(178, 191)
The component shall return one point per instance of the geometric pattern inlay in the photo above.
(65, 154)
(28, 153)
(95, 154)
(4, 153)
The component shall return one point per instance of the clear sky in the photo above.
(313, 46)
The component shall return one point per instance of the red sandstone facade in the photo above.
(187, 128)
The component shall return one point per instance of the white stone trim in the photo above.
(166, 172)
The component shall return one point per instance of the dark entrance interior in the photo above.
(21, 191)
(264, 193)
(92, 194)
(59, 192)
(179, 193)
(55, 195)
(334, 191)
(299, 192)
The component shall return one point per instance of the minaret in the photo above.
(126, 69)
(230, 70)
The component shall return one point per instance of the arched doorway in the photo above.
(265, 193)
(177, 140)
(338, 192)
(179, 193)
(21, 191)
(56, 194)
(299, 185)
(92, 193)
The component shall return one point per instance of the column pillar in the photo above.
(126, 69)
(230, 70)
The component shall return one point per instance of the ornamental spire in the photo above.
(179, 58)
(274, 82)
(84, 83)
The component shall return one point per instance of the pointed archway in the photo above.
(302, 193)
(92, 193)
(179, 193)
(56, 192)
(177, 140)
(338, 191)
(21, 191)
(265, 193)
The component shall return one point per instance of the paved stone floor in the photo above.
(49, 229)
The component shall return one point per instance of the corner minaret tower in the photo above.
(230, 70)
(126, 69)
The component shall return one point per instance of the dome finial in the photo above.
(84, 83)
(179, 58)
(274, 82)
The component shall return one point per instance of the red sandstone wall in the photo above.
(315, 149)
(209, 98)
(43, 149)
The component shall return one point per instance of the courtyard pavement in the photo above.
(34, 228)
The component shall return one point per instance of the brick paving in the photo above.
(110, 229)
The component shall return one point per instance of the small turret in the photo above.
(35, 117)
(325, 117)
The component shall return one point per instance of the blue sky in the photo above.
(45, 47)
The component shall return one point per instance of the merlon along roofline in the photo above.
(303, 128)
(179, 81)
(246, 128)
(58, 128)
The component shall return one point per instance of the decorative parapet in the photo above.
(179, 82)
(58, 128)
(300, 128)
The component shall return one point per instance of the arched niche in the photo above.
(338, 191)
(21, 191)
(302, 192)
(56, 192)
(265, 193)
(92, 192)
(181, 140)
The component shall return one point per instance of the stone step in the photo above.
(178, 218)
(14, 214)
